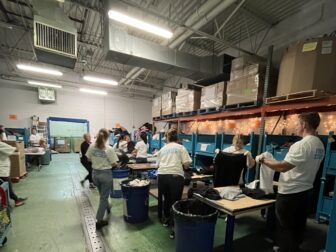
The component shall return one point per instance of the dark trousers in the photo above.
(291, 213)
(88, 167)
(12, 195)
(171, 188)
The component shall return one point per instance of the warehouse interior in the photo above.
(140, 71)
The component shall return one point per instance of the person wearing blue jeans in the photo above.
(103, 158)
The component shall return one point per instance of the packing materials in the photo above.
(308, 65)
(214, 95)
(187, 100)
(168, 103)
(62, 144)
(156, 107)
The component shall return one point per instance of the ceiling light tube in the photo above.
(44, 84)
(93, 91)
(122, 18)
(41, 70)
(100, 80)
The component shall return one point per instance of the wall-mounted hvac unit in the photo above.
(46, 95)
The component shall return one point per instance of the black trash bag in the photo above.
(194, 210)
(209, 193)
(254, 193)
(123, 159)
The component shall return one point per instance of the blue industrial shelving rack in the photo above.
(326, 202)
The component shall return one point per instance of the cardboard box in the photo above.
(246, 89)
(156, 107)
(76, 144)
(62, 145)
(250, 69)
(187, 100)
(213, 96)
(242, 61)
(18, 160)
(168, 103)
(308, 65)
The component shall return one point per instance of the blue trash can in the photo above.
(135, 202)
(118, 177)
(194, 226)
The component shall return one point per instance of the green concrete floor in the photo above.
(50, 221)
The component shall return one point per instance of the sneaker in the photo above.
(19, 203)
(23, 199)
(166, 224)
(92, 186)
(172, 235)
(101, 224)
(108, 210)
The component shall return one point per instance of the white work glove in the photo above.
(261, 156)
(217, 151)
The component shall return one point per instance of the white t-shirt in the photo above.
(171, 158)
(123, 146)
(142, 149)
(307, 156)
(5, 151)
(101, 159)
(34, 140)
(4, 136)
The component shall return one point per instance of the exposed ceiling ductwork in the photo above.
(55, 36)
(127, 49)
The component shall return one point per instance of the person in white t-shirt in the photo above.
(141, 149)
(298, 171)
(238, 148)
(34, 138)
(173, 159)
(103, 158)
(3, 135)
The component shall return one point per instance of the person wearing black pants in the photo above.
(84, 160)
(298, 171)
(172, 160)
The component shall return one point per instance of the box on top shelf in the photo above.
(187, 100)
(242, 61)
(156, 107)
(213, 95)
(250, 69)
(308, 65)
(168, 103)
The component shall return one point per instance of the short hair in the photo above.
(312, 119)
(171, 135)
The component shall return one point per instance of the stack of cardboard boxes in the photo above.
(213, 96)
(307, 66)
(246, 80)
(76, 143)
(18, 160)
(187, 100)
(156, 107)
(168, 103)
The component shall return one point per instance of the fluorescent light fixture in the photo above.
(117, 16)
(100, 80)
(44, 84)
(92, 91)
(41, 70)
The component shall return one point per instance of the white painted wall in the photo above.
(100, 111)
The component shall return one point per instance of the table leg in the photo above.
(229, 233)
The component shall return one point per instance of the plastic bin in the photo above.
(45, 159)
(135, 202)
(118, 177)
(194, 225)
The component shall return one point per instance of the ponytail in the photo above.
(102, 137)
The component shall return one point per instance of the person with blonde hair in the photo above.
(103, 158)
(237, 147)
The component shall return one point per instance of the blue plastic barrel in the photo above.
(135, 202)
(118, 177)
(194, 226)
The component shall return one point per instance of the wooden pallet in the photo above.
(304, 95)
(208, 110)
(164, 117)
(242, 105)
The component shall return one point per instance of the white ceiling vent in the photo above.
(55, 40)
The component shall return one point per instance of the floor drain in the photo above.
(88, 217)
